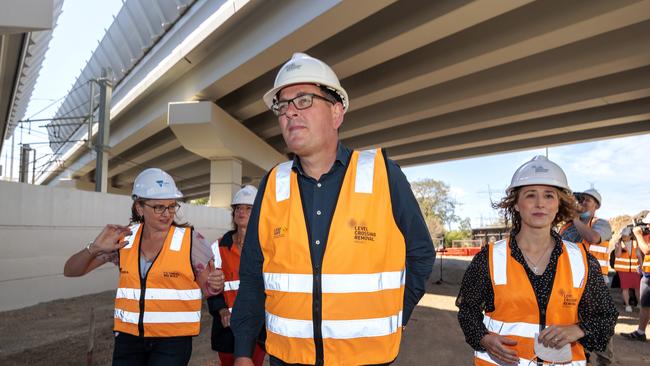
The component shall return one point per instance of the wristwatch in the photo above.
(88, 247)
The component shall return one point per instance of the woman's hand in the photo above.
(557, 336)
(497, 347)
(216, 280)
(110, 239)
(225, 314)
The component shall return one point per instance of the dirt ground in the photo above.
(57, 332)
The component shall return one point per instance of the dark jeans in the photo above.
(139, 351)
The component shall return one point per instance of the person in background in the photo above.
(594, 234)
(228, 252)
(534, 286)
(626, 265)
(337, 252)
(162, 270)
(642, 234)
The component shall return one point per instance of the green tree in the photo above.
(438, 208)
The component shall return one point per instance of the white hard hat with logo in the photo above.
(156, 184)
(304, 69)
(245, 196)
(539, 171)
(594, 193)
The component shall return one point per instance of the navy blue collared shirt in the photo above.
(319, 199)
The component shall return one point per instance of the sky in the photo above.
(80, 26)
(616, 167)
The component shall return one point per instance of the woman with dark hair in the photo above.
(162, 272)
(227, 250)
(534, 298)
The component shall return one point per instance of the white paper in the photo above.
(216, 255)
(550, 354)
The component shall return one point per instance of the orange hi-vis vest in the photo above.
(167, 301)
(628, 261)
(230, 259)
(600, 250)
(516, 314)
(347, 311)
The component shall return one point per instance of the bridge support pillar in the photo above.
(225, 181)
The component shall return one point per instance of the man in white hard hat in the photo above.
(594, 233)
(642, 233)
(337, 252)
(590, 230)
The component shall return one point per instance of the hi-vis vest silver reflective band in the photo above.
(158, 294)
(362, 184)
(599, 249)
(335, 283)
(175, 245)
(523, 362)
(159, 316)
(231, 285)
(336, 329)
(500, 260)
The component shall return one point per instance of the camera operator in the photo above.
(594, 234)
(642, 234)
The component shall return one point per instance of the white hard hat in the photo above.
(539, 170)
(245, 196)
(626, 231)
(646, 219)
(594, 193)
(304, 69)
(154, 183)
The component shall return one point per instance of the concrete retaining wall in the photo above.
(40, 227)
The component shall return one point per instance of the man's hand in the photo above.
(244, 361)
(497, 346)
(225, 314)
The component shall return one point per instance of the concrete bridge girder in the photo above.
(208, 131)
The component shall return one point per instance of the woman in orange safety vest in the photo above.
(227, 251)
(533, 298)
(162, 274)
(627, 265)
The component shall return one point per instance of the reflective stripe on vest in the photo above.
(646, 264)
(337, 329)
(516, 314)
(484, 358)
(361, 301)
(168, 302)
(335, 283)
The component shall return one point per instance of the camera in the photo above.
(638, 221)
(579, 196)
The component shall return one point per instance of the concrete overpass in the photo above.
(428, 80)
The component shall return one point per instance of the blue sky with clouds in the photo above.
(616, 167)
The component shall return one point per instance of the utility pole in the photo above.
(103, 134)
(34, 167)
(23, 175)
(11, 162)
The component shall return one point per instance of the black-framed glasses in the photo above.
(160, 209)
(301, 102)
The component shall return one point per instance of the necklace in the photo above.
(535, 265)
